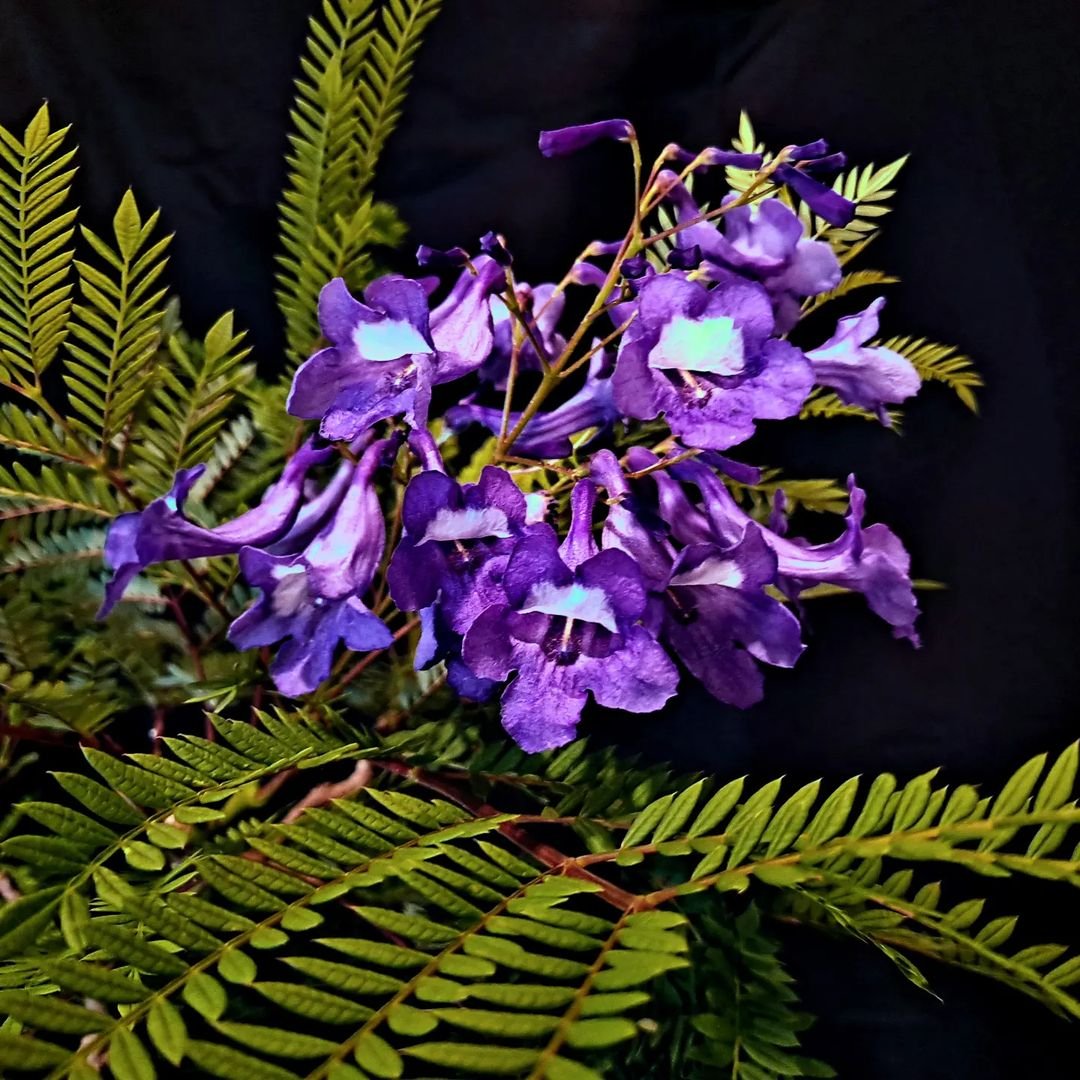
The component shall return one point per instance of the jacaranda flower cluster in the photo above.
(566, 523)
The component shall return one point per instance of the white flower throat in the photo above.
(712, 345)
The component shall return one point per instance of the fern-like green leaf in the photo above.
(35, 256)
(116, 329)
(188, 405)
(349, 98)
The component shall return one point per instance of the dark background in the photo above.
(187, 102)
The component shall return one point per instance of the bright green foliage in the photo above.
(116, 330)
(36, 231)
(410, 920)
(189, 404)
(349, 99)
(751, 1028)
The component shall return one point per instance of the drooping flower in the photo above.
(160, 532)
(569, 140)
(388, 351)
(569, 627)
(708, 602)
(765, 241)
(870, 560)
(314, 599)
(718, 619)
(870, 377)
(707, 360)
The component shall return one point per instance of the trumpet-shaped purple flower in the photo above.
(765, 241)
(862, 375)
(707, 360)
(870, 560)
(718, 618)
(314, 598)
(456, 544)
(569, 140)
(708, 603)
(160, 532)
(388, 351)
(569, 627)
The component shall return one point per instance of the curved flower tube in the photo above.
(314, 598)
(867, 376)
(160, 532)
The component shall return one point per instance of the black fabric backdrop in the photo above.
(187, 102)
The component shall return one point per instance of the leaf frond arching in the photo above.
(823, 404)
(411, 921)
(854, 279)
(188, 404)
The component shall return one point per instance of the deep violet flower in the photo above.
(569, 140)
(160, 532)
(765, 241)
(456, 543)
(814, 160)
(863, 375)
(707, 360)
(870, 560)
(314, 598)
(388, 351)
(708, 602)
(569, 627)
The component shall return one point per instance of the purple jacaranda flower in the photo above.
(870, 560)
(569, 627)
(765, 241)
(388, 351)
(569, 140)
(160, 532)
(548, 434)
(493, 245)
(542, 306)
(708, 602)
(438, 259)
(718, 619)
(862, 375)
(802, 165)
(707, 360)
(456, 542)
(315, 598)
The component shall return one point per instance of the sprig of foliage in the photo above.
(35, 233)
(349, 98)
(412, 921)
(118, 325)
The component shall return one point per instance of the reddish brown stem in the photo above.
(541, 852)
